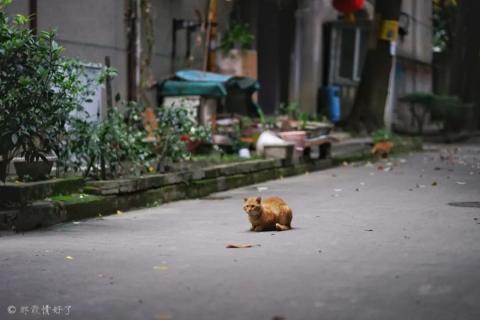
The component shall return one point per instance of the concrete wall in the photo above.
(91, 29)
(88, 30)
(164, 12)
(414, 71)
(418, 43)
(307, 58)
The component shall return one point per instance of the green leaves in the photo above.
(117, 146)
(383, 135)
(107, 72)
(38, 90)
(21, 19)
(4, 3)
(175, 129)
(237, 35)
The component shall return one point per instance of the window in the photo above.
(348, 50)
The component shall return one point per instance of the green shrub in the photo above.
(383, 135)
(111, 148)
(175, 129)
(447, 110)
(39, 88)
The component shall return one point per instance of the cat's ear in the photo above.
(245, 199)
(259, 199)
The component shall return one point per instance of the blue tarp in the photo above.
(201, 76)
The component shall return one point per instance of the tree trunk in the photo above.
(369, 107)
(466, 60)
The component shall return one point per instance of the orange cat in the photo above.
(269, 214)
(382, 149)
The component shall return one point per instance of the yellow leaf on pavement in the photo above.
(160, 268)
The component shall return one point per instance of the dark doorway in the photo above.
(275, 41)
(273, 22)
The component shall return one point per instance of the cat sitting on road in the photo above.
(270, 214)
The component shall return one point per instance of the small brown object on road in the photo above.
(239, 246)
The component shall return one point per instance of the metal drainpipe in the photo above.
(33, 13)
(134, 48)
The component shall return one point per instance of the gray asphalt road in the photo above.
(367, 244)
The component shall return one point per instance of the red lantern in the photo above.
(348, 6)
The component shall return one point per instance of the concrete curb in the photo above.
(108, 197)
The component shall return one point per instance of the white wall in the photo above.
(415, 56)
(418, 43)
(307, 58)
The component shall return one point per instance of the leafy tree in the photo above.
(444, 23)
(38, 91)
(465, 64)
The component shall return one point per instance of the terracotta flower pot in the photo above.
(296, 137)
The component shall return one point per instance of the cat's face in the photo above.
(252, 206)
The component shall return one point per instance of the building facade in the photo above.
(90, 30)
(302, 45)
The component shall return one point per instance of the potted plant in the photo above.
(38, 90)
(236, 56)
(237, 37)
(383, 143)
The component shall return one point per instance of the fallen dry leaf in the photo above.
(163, 316)
(434, 183)
(119, 212)
(239, 246)
(160, 268)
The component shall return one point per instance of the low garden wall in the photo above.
(28, 206)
